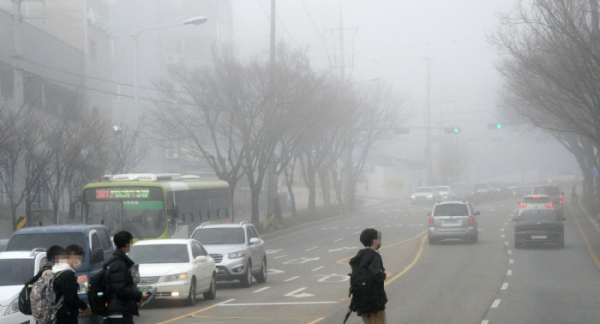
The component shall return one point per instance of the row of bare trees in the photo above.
(239, 121)
(56, 153)
(551, 71)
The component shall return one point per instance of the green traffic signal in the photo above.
(452, 130)
(494, 126)
(456, 130)
(499, 126)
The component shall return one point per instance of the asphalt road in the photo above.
(454, 282)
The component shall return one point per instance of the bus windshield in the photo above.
(141, 214)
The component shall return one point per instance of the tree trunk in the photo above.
(312, 191)
(55, 206)
(255, 200)
(324, 177)
(289, 181)
(13, 214)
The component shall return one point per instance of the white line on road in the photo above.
(509, 251)
(511, 261)
(273, 251)
(496, 303)
(504, 286)
(355, 233)
(261, 289)
(387, 225)
(502, 229)
(485, 322)
(502, 236)
(335, 228)
(279, 257)
(337, 240)
(276, 304)
(312, 248)
(292, 278)
(296, 294)
(225, 302)
(373, 226)
(319, 268)
(324, 228)
(509, 272)
(505, 243)
(505, 224)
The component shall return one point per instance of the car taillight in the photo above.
(430, 221)
(471, 220)
(536, 196)
(561, 201)
(560, 197)
(549, 205)
(522, 206)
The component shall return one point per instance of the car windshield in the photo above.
(537, 200)
(15, 271)
(451, 210)
(208, 236)
(548, 191)
(142, 218)
(538, 216)
(424, 190)
(27, 242)
(168, 253)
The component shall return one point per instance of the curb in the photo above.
(592, 220)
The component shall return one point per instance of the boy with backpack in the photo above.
(66, 286)
(52, 257)
(367, 280)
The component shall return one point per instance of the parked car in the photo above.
(17, 268)
(453, 220)
(94, 239)
(238, 250)
(535, 202)
(425, 195)
(539, 227)
(180, 269)
(554, 193)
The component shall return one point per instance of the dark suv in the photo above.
(539, 227)
(554, 193)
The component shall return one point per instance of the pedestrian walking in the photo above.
(66, 286)
(123, 296)
(367, 280)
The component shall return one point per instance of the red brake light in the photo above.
(430, 221)
(560, 196)
(561, 201)
(549, 205)
(536, 196)
(522, 206)
(471, 220)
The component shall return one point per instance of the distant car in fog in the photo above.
(535, 202)
(445, 192)
(481, 187)
(453, 220)
(462, 191)
(539, 227)
(424, 195)
(554, 193)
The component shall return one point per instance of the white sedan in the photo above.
(179, 268)
(535, 202)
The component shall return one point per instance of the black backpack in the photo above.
(25, 294)
(98, 296)
(362, 290)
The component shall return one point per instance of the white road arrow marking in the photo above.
(296, 294)
(344, 248)
(301, 260)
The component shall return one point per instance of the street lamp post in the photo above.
(193, 21)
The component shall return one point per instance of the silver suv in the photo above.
(554, 193)
(237, 249)
(453, 219)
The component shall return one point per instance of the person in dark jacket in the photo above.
(66, 286)
(369, 258)
(123, 295)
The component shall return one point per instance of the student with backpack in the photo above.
(52, 257)
(122, 295)
(367, 280)
(66, 287)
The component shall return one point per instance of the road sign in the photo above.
(21, 221)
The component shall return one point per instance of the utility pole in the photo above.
(342, 57)
(271, 176)
(429, 168)
(17, 55)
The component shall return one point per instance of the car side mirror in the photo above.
(200, 259)
(477, 213)
(97, 255)
(254, 240)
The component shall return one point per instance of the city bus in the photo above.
(153, 206)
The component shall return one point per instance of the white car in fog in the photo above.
(445, 192)
(425, 195)
(16, 268)
(535, 202)
(180, 269)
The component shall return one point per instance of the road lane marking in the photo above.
(337, 240)
(502, 236)
(505, 243)
(274, 304)
(511, 261)
(385, 222)
(509, 272)
(319, 268)
(193, 313)
(274, 271)
(279, 257)
(373, 225)
(261, 289)
(343, 248)
(496, 303)
(334, 277)
(502, 229)
(356, 233)
(335, 228)
(387, 246)
(585, 239)
(485, 322)
(509, 251)
(292, 278)
(316, 321)
(505, 224)
(296, 294)
(387, 225)
(504, 286)
(301, 260)
(411, 264)
(273, 251)
(312, 248)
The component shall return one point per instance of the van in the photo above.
(94, 239)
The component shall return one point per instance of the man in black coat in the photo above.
(66, 286)
(123, 295)
(369, 259)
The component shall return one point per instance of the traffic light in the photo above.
(494, 126)
(402, 130)
(451, 130)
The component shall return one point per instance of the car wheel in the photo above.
(212, 291)
(432, 241)
(262, 277)
(191, 300)
(246, 281)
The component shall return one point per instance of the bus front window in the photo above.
(143, 219)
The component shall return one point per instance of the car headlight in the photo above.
(176, 277)
(237, 255)
(429, 196)
(13, 307)
(413, 196)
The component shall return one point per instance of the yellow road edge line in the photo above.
(585, 239)
(316, 321)
(189, 315)
(385, 247)
(411, 264)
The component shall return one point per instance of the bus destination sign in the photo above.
(122, 193)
